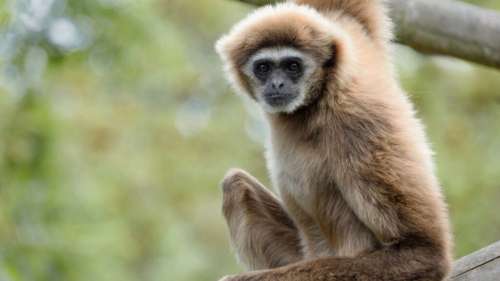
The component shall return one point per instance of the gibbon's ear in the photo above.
(231, 68)
(370, 14)
(332, 61)
(343, 61)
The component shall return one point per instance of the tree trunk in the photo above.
(443, 27)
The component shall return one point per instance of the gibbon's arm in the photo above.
(377, 190)
(372, 205)
(368, 13)
(443, 27)
(407, 263)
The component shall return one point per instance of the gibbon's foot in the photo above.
(225, 278)
(229, 278)
(249, 276)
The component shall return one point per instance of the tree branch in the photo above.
(443, 27)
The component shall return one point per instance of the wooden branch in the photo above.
(443, 27)
(483, 265)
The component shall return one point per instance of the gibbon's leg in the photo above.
(261, 231)
(411, 250)
(403, 262)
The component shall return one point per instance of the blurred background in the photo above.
(116, 126)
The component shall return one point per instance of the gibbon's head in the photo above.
(283, 55)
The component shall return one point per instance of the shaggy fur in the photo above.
(358, 199)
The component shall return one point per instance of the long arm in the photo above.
(449, 27)
(416, 264)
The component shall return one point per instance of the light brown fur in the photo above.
(358, 196)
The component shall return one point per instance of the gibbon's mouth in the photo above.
(279, 99)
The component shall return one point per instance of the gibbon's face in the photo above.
(283, 55)
(280, 78)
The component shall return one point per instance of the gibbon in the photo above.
(357, 195)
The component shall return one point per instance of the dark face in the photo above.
(280, 79)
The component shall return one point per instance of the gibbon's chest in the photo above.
(297, 172)
(306, 186)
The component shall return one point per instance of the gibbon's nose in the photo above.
(277, 85)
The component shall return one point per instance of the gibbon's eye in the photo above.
(293, 66)
(261, 69)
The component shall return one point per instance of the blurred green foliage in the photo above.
(116, 127)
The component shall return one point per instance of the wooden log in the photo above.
(444, 27)
(483, 265)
